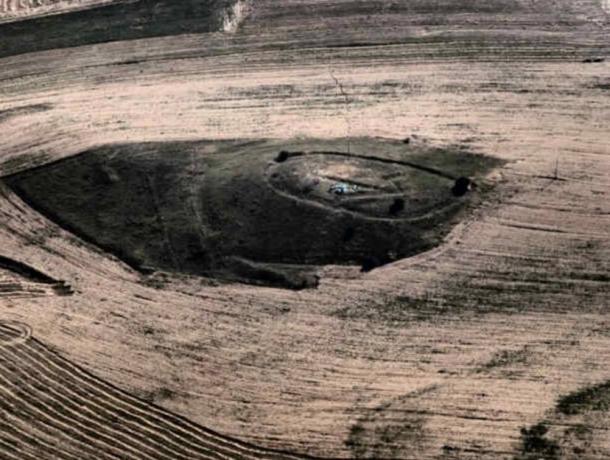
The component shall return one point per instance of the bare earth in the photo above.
(448, 354)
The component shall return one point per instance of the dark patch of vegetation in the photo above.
(458, 161)
(535, 445)
(506, 358)
(22, 162)
(63, 289)
(397, 205)
(282, 156)
(160, 394)
(462, 186)
(171, 206)
(594, 398)
(129, 62)
(155, 280)
(114, 22)
(349, 234)
(590, 276)
(279, 275)
(370, 263)
(579, 431)
(390, 429)
(592, 60)
(356, 432)
(396, 311)
(377, 438)
(24, 110)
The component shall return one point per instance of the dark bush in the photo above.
(397, 206)
(282, 156)
(461, 186)
(370, 263)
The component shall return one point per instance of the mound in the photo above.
(241, 211)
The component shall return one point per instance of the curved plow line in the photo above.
(56, 378)
(209, 449)
(5, 335)
(98, 383)
(94, 419)
(6, 450)
(163, 417)
(9, 336)
(98, 430)
(50, 432)
(61, 424)
(53, 379)
(24, 331)
(24, 437)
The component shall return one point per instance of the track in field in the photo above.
(53, 409)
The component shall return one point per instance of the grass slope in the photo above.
(122, 21)
(231, 209)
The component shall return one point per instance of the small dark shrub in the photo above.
(282, 156)
(369, 263)
(397, 206)
(535, 445)
(461, 186)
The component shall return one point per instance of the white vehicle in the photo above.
(342, 188)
